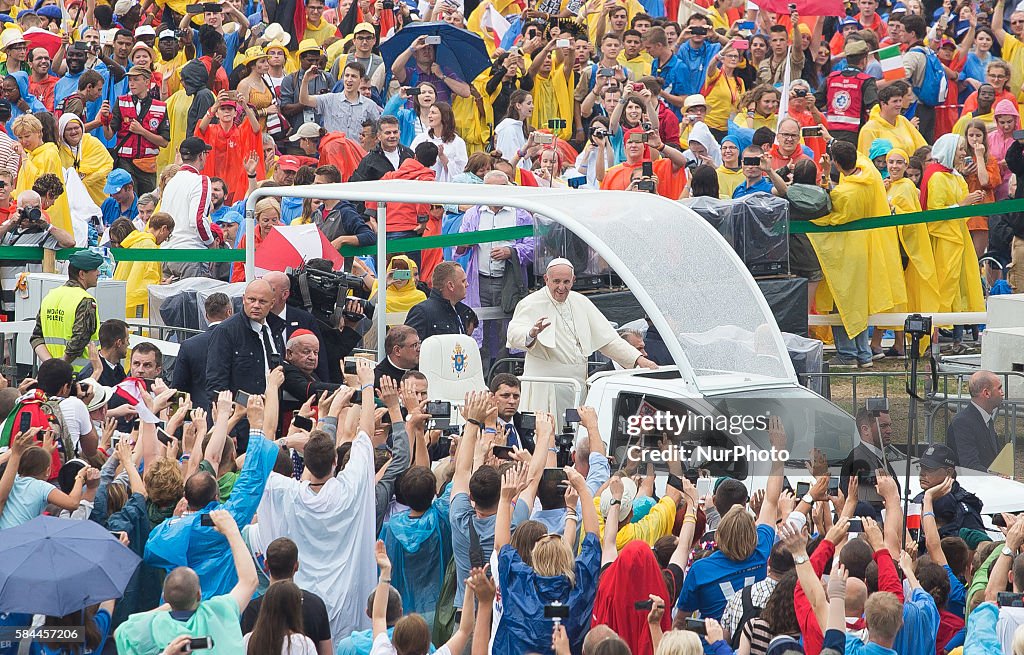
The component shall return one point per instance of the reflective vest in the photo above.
(57, 315)
(132, 145)
(844, 95)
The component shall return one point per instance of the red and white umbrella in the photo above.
(292, 246)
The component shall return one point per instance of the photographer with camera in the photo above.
(28, 226)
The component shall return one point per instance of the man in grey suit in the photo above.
(972, 433)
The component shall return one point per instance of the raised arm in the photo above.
(379, 613)
(893, 525)
(773, 489)
(484, 589)
(512, 482)
(609, 550)
(475, 410)
(245, 567)
(215, 448)
(579, 483)
(21, 443)
(364, 370)
(932, 539)
(795, 541)
(272, 403)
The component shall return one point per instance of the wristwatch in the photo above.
(1006, 551)
(619, 502)
(808, 498)
(800, 559)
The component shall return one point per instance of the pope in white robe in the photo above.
(559, 329)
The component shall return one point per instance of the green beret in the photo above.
(974, 538)
(85, 260)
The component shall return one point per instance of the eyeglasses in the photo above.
(783, 135)
(998, 76)
(414, 344)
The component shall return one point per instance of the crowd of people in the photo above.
(281, 503)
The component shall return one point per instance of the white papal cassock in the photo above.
(561, 350)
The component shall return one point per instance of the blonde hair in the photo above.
(266, 204)
(26, 124)
(166, 174)
(883, 613)
(117, 496)
(736, 534)
(679, 642)
(165, 485)
(552, 557)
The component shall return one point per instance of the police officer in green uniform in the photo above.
(68, 320)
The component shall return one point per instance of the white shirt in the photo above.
(187, 199)
(334, 531)
(509, 138)
(506, 217)
(76, 416)
(297, 644)
(258, 329)
(454, 150)
(394, 157)
(984, 415)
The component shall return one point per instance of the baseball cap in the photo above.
(144, 30)
(628, 494)
(289, 163)
(116, 180)
(140, 71)
(848, 21)
(695, 100)
(306, 131)
(230, 217)
(193, 146)
(364, 27)
(938, 456)
(855, 48)
(168, 34)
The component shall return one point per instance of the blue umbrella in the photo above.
(461, 52)
(57, 566)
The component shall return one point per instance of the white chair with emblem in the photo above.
(452, 365)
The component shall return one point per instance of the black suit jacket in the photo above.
(235, 359)
(190, 368)
(975, 445)
(862, 459)
(388, 369)
(297, 318)
(435, 315)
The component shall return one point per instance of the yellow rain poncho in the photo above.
(862, 268)
(919, 275)
(177, 117)
(956, 263)
(552, 98)
(507, 8)
(633, 7)
(90, 158)
(475, 119)
(45, 159)
(902, 135)
(138, 275)
(403, 294)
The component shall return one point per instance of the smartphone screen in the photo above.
(503, 452)
(572, 416)
(704, 486)
(648, 169)
(802, 488)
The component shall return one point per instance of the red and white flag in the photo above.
(914, 516)
(495, 25)
(130, 389)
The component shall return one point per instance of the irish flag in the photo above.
(892, 63)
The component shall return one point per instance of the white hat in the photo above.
(559, 261)
(11, 36)
(144, 30)
(168, 34)
(628, 494)
(122, 7)
(306, 131)
(275, 32)
(100, 394)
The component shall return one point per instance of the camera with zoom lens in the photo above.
(34, 217)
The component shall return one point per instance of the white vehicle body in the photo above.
(695, 291)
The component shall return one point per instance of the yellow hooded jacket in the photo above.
(956, 263)
(903, 134)
(919, 275)
(863, 271)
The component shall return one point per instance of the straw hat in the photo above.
(275, 32)
(252, 54)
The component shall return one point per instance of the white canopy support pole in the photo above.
(382, 274)
(250, 237)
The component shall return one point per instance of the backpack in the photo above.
(43, 413)
(750, 612)
(932, 91)
(808, 202)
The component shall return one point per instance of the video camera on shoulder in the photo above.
(325, 294)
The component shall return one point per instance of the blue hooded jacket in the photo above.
(21, 77)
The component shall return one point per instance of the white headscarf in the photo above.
(66, 119)
(702, 135)
(944, 150)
